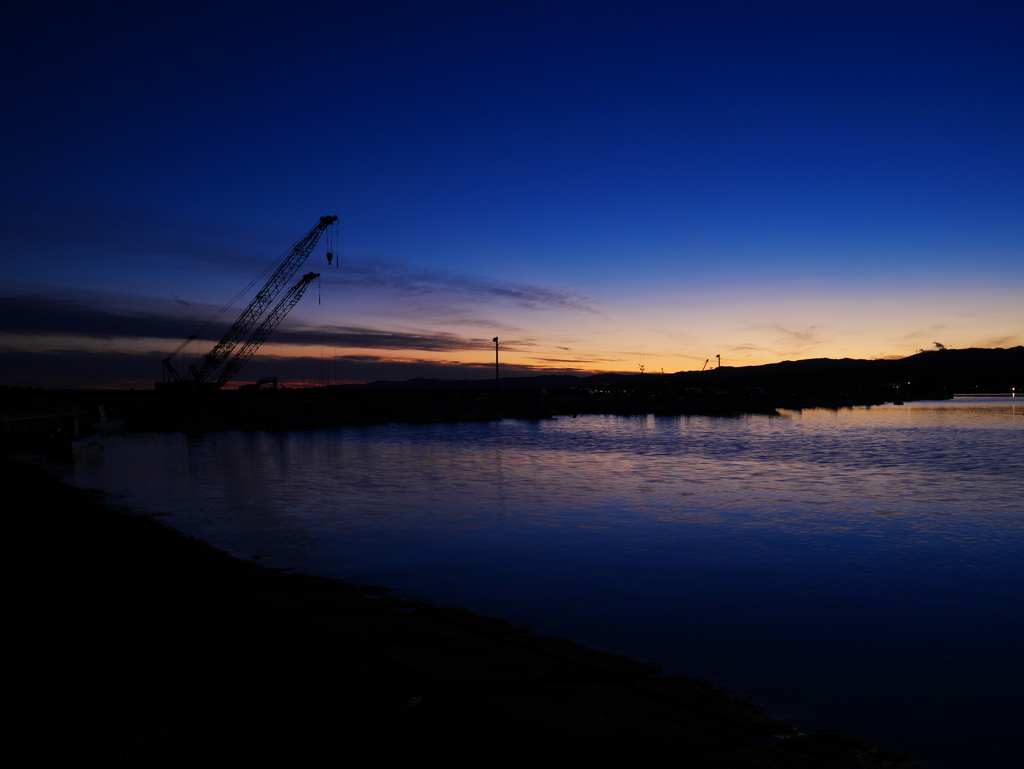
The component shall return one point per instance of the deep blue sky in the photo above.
(600, 184)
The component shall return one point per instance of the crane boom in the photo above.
(203, 370)
(266, 328)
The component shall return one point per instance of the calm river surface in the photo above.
(861, 569)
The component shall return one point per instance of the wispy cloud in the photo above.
(583, 361)
(35, 316)
(1001, 341)
(136, 241)
(358, 337)
(443, 286)
(931, 331)
(78, 368)
(783, 342)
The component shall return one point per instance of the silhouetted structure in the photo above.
(218, 366)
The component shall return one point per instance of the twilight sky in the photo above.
(602, 184)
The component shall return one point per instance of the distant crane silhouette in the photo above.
(218, 366)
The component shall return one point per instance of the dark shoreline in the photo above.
(149, 648)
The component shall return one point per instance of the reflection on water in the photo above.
(861, 568)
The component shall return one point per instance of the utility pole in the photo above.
(496, 386)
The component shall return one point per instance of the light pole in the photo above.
(495, 340)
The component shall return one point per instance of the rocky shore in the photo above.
(138, 646)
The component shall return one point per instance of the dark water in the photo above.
(860, 569)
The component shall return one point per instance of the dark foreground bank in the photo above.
(137, 646)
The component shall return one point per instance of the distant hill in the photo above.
(974, 369)
(930, 360)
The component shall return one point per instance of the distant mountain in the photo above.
(975, 369)
(928, 359)
(947, 371)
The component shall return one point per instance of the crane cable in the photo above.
(236, 298)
